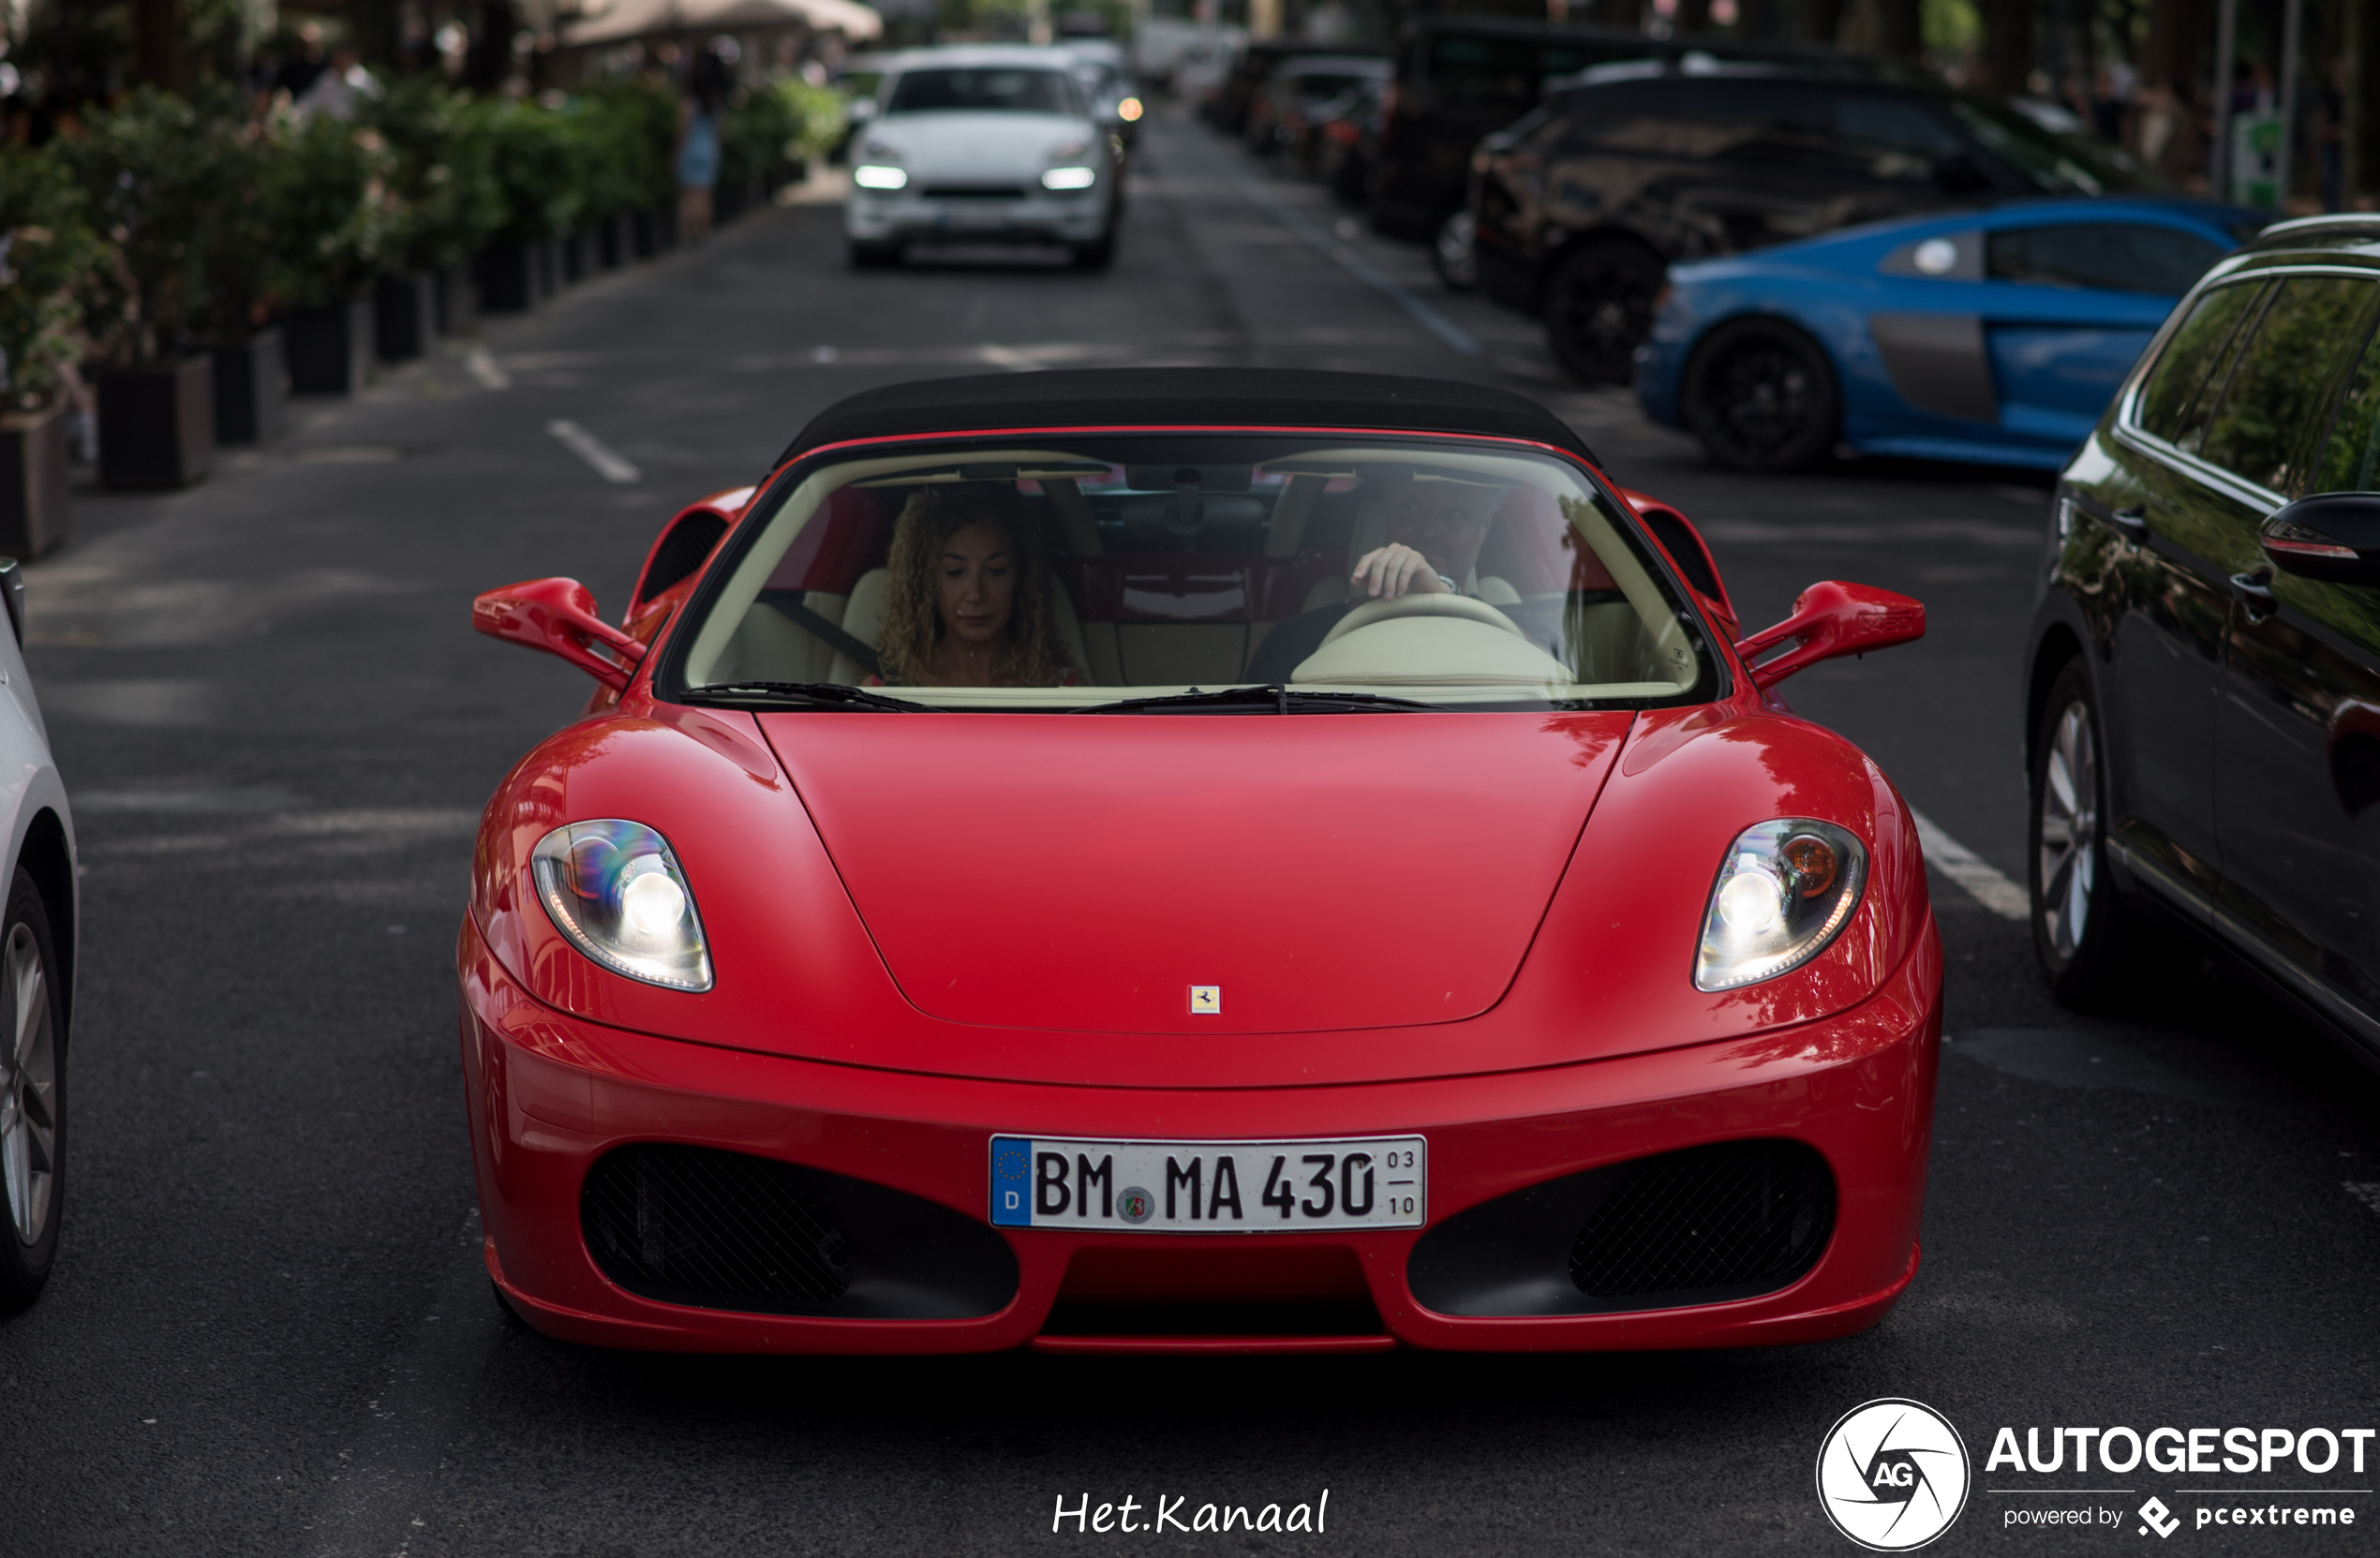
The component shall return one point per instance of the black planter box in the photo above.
(330, 349)
(611, 243)
(548, 257)
(509, 280)
(36, 493)
(157, 425)
(728, 201)
(405, 312)
(458, 300)
(251, 389)
(574, 267)
(643, 235)
(665, 220)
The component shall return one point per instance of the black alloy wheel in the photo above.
(1598, 305)
(33, 1098)
(1761, 395)
(2082, 931)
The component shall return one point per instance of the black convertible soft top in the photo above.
(1186, 397)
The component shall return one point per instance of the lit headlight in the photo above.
(870, 176)
(1068, 178)
(1787, 889)
(615, 891)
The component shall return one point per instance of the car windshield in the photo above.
(982, 89)
(1177, 573)
(2069, 161)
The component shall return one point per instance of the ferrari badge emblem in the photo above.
(1205, 1000)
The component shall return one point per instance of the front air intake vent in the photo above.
(690, 1220)
(1700, 1226)
(713, 1229)
(1735, 1215)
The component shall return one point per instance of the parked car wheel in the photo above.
(2081, 929)
(33, 1098)
(1761, 395)
(1451, 254)
(1598, 304)
(874, 257)
(1098, 253)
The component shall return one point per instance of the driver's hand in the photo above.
(1388, 572)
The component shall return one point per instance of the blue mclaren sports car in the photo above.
(1992, 335)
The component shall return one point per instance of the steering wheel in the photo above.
(1431, 604)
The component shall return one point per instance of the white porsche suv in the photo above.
(990, 143)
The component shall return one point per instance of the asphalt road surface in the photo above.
(270, 1332)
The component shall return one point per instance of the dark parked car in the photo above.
(1341, 139)
(1459, 78)
(2203, 719)
(1581, 206)
(1226, 107)
(1282, 109)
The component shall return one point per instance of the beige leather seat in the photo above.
(864, 618)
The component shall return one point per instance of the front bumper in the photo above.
(549, 1095)
(899, 217)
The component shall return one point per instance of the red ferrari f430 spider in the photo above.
(1182, 860)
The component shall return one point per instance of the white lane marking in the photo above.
(1355, 265)
(2367, 1193)
(481, 364)
(1960, 864)
(592, 449)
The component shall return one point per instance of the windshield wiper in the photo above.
(1272, 696)
(815, 694)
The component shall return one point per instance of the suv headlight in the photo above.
(1068, 178)
(614, 890)
(1787, 889)
(868, 176)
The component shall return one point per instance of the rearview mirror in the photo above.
(558, 615)
(2332, 536)
(1832, 619)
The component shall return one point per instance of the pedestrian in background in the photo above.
(706, 86)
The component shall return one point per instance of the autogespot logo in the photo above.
(1892, 1475)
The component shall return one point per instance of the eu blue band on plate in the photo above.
(1011, 1183)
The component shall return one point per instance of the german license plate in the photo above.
(1210, 1187)
(990, 214)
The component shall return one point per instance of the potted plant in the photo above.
(535, 170)
(153, 172)
(641, 113)
(251, 375)
(327, 203)
(443, 204)
(45, 251)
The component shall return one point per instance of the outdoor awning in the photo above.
(624, 20)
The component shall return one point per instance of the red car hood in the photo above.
(1085, 872)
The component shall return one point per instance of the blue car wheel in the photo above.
(1761, 395)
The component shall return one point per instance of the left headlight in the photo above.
(1787, 889)
(614, 890)
(1068, 178)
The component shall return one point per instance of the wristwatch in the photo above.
(1452, 588)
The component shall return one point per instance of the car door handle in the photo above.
(2256, 594)
(2133, 521)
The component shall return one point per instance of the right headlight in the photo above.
(614, 890)
(1787, 889)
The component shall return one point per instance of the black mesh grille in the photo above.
(1739, 1214)
(682, 552)
(715, 1229)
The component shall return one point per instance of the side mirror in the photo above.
(2332, 536)
(558, 615)
(1832, 619)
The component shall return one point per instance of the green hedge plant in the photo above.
(329, 210)
(47, 255)
(444, 200)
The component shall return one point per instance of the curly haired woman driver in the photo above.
(969, 602)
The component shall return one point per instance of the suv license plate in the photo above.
(1210, 1187)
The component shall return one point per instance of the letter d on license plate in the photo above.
(1210, 1187)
